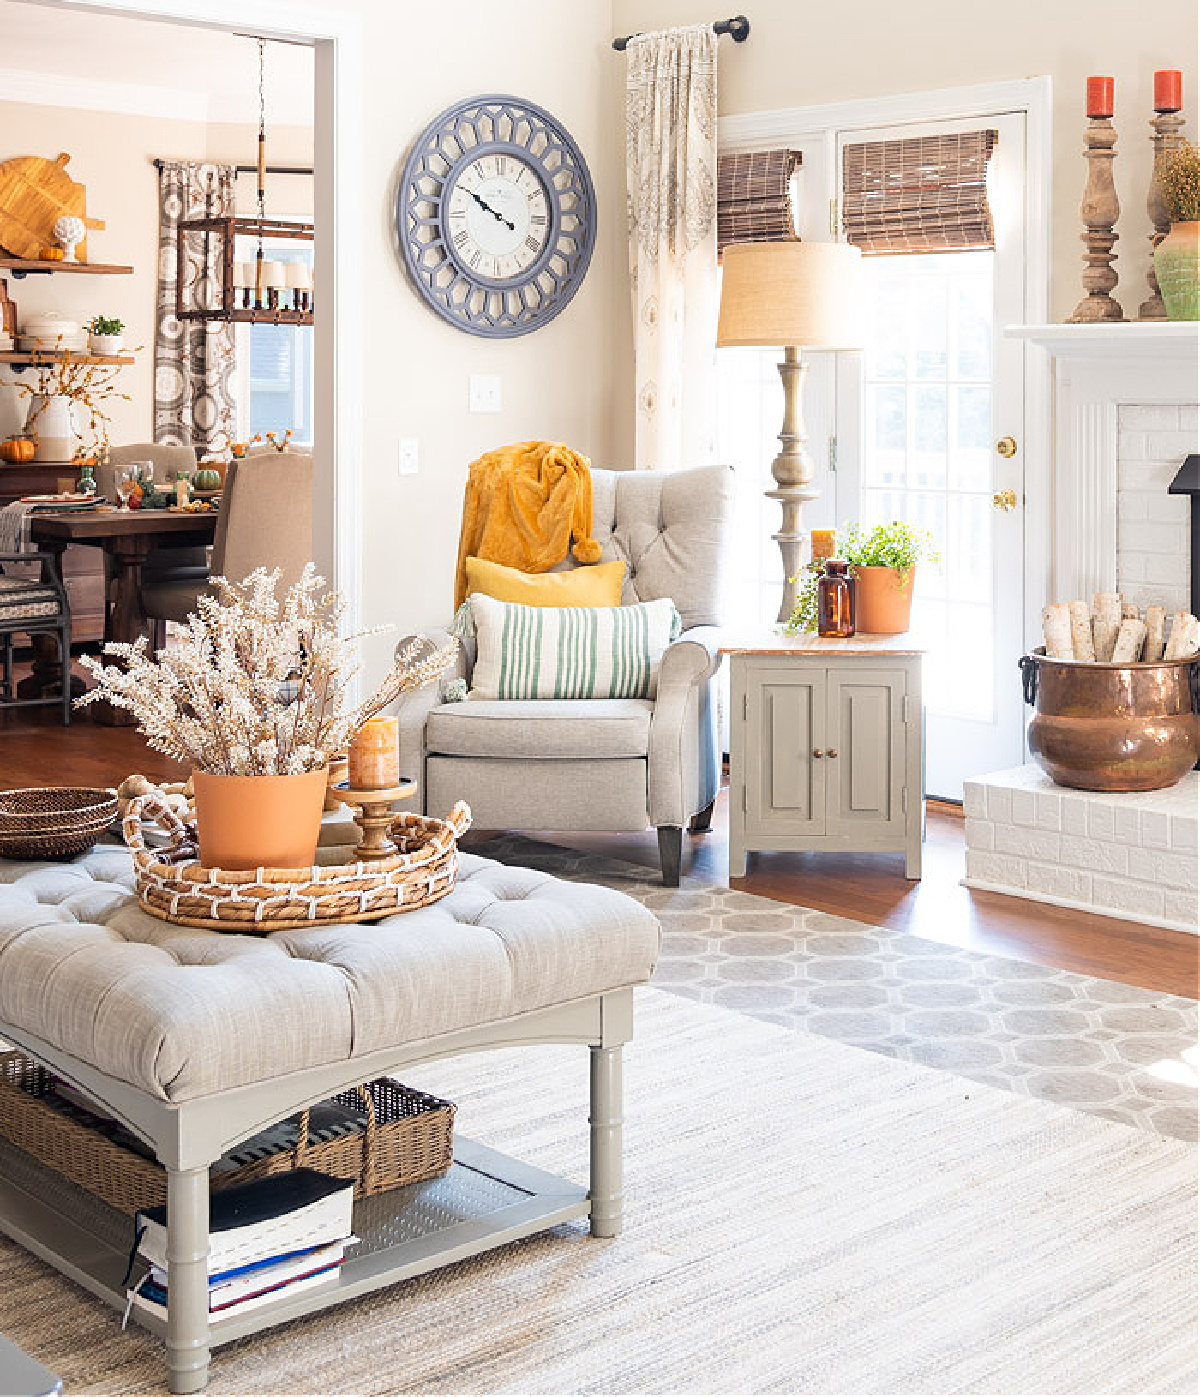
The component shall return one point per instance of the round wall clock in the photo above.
(497, 216)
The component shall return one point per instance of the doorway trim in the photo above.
(337, 41)
(1032, 98)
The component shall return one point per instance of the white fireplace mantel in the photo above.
(1098, 369)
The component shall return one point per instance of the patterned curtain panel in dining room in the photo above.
(194, 360)
(671, 175)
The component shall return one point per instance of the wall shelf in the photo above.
(32, 266)
(30, 359)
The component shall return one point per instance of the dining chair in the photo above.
(33, 606)
(265, 521)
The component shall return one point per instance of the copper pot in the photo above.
(1105, 727)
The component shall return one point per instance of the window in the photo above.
(275, 366)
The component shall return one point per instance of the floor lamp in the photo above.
(798, 295)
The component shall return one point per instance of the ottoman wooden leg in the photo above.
(187, 1279)
(606, 1122)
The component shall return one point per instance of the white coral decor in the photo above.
(256, 686)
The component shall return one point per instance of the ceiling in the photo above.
(119, 64)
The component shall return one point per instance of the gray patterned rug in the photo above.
(1113, 1050)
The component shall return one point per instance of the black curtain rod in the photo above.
(252, 169)
(738, 29)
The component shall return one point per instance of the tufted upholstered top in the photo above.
(672, 531)
(182, 1013)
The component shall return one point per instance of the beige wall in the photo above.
(800, 54)
(112, 155)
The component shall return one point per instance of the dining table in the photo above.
(127, 536)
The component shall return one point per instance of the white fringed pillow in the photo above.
(570, 652)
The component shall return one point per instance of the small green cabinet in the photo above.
(826, 749)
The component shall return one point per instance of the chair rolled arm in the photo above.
(683, 772)
(415, 706)
(692, 659)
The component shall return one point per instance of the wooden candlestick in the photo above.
(1165, 127)
(1099, 211)
(374, 816)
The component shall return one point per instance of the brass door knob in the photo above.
(1005, 500)
(832, 752)
(1007, 446)
(817, 752)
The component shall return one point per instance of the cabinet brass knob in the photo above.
(1007, 447)
(817, 752)
(832, 752)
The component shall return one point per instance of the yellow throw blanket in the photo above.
(523, 506)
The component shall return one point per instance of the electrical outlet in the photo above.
(408, 455)
(484, 393)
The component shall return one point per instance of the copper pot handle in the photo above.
(1029, 678)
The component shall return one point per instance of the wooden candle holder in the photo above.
(374, 817)
(1099, 211)
(1165, 127)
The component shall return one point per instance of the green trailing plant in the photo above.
(895, 545)
(105, 325)
(1179, 176)
(804, 618)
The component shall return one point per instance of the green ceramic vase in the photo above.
(1177, 266)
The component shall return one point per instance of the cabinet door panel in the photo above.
(785, 787)
(866, 730)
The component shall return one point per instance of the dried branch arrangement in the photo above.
(89, 386)
(1116, 632)
(256, 685)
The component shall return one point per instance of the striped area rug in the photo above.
(802, 1216)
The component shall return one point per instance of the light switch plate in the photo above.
(484, 393)
(408, 455)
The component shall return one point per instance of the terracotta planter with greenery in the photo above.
(883, 599)
(1177, 257)
(259, 821)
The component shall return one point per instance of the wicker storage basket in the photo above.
(54, 822)
(388, 1135)
(259, 901)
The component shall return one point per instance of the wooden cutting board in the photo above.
(34, 192)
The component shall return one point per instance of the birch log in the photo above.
(1056, 626)
(1156, 618)
(1128, 648)
(1106, 622)
(1184, 639)
(1081, 632)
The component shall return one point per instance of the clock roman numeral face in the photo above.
(498, 216)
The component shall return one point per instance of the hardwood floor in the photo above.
(36, 750)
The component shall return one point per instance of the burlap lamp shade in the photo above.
(791, 293)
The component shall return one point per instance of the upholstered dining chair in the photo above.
(601, 764)
(33, 606)
(265, 521)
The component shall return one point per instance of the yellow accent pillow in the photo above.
(598, 584)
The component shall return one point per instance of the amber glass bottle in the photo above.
(835, 600)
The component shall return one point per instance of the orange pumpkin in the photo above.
(17, 449)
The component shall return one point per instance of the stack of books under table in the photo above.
(268, 1240)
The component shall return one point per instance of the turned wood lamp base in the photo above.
(374, 816)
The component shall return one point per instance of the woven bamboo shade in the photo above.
(754, 197)
(923, 194)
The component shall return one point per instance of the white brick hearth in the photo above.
(1124, 855)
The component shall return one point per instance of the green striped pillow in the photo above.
(570, 652)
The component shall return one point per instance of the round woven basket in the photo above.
(262, 900)
(49, 822)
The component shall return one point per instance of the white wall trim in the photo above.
(337, 37)
(96, 95)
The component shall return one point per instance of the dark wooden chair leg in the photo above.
(670, 853)
(702, 823)
(64, 641)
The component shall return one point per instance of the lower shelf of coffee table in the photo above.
(485, 1201)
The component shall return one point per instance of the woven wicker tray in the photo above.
(263, 900)
(383, 1135)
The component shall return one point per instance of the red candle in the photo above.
(1168, 90)
(1099, 96)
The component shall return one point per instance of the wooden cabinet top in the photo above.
(866, 645)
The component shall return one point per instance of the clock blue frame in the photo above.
(475, 127)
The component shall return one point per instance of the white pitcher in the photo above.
(52, 420)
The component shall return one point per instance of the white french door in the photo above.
(933, 432)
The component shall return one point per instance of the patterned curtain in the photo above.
(194, 360)
(671, 174)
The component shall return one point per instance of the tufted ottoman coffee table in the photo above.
(196, 1040)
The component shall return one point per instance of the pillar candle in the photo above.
(1168, 90)
(1099, 96)
(374, 760)
(824, 543)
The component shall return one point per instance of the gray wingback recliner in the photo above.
(601, 764)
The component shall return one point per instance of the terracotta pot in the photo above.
(883, 599)
(259, 821)
(1106, 727)
(1177, 267)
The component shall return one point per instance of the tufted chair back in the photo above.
(672, 529)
